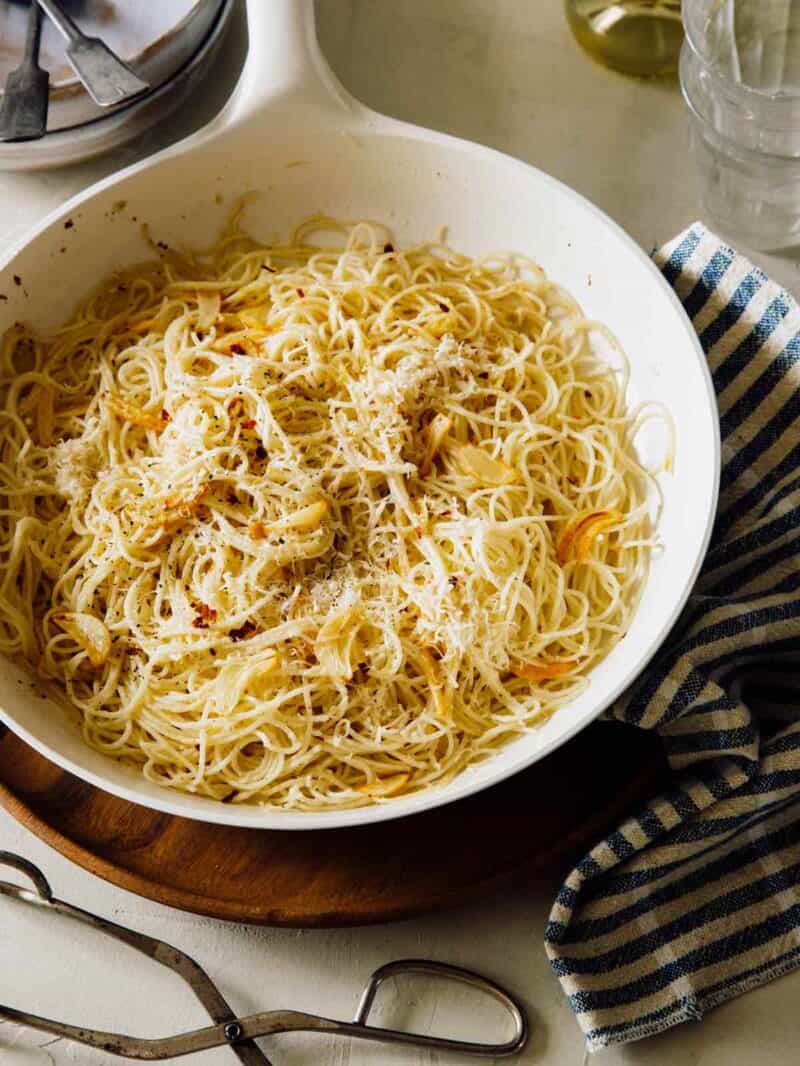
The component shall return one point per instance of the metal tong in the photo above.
(240, 1033)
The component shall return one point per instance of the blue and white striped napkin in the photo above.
(697, 898)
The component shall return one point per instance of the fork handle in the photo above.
(33, 36)
(61, 20)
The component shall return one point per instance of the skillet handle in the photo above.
(284, 61)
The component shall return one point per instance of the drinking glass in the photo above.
(740, 75)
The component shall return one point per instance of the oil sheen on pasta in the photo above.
(322, 524)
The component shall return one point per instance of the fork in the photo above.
(108, 80)
(26, 94)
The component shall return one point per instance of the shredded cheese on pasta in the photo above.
(321, 524)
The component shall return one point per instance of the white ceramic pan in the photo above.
(292, 132)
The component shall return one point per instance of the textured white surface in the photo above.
(504, 72)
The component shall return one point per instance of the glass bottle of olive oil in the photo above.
(641, 37)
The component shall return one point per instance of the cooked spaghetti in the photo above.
(321, 524)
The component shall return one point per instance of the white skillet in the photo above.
(292, 132)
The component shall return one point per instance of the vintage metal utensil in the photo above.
(23, 112)
(240, 1033)
(108, 80)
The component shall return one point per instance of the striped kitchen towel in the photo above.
(697, 898)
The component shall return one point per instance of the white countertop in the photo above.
(507, 73)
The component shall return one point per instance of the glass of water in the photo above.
(740, 74)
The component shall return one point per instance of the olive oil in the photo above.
(641, 37)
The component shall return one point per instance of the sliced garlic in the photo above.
(170, 512)
(581, 532)
(306, 518)
(209, 305)
(592, 531)
(441, 697)
(435, 432)
(87, 631)
(541, 671)
(476, 462)
(337, 641)
(384, 786)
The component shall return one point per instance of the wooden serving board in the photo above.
(544, 816)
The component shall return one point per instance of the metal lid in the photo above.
(157, 40)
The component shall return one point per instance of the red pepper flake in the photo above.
(237, 349)
(164, 414)
(300, 293)
(249, 423)
(207, 614)
(242, 632)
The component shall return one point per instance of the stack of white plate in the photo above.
(169, 44)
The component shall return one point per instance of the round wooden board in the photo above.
(545, 815)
